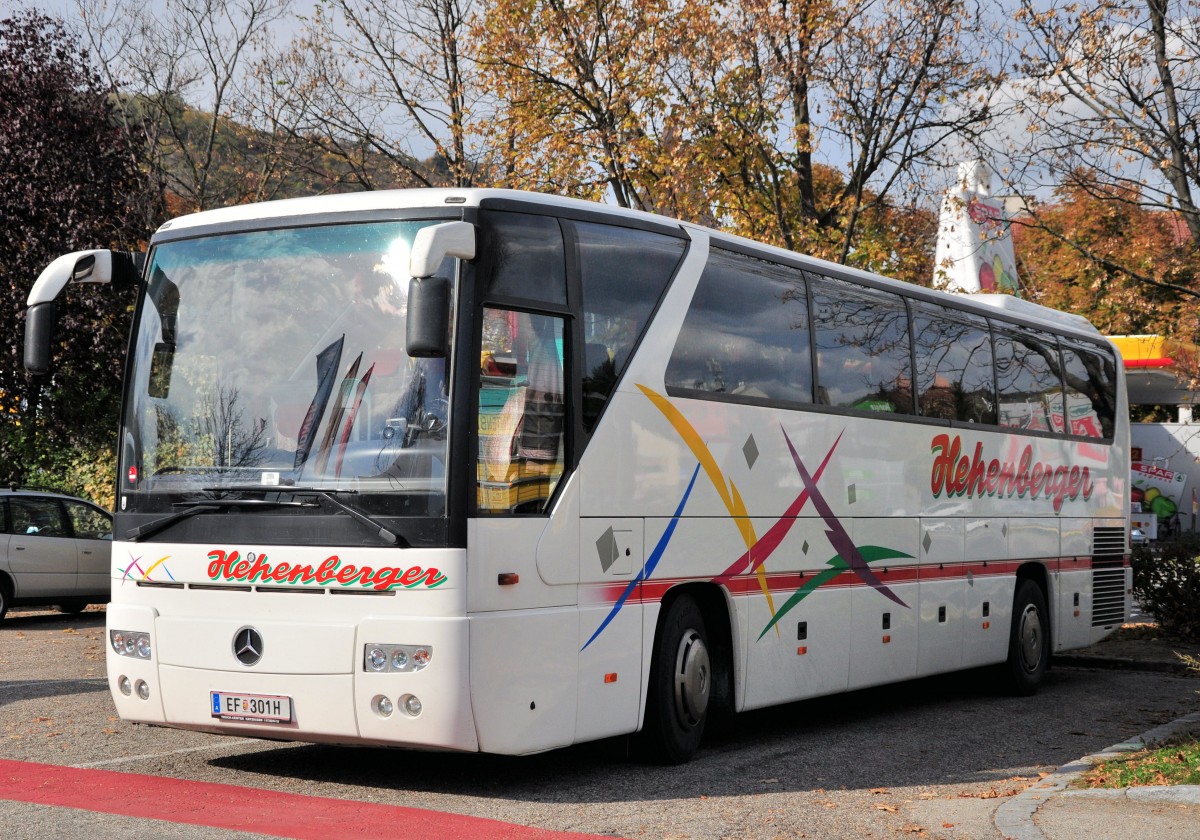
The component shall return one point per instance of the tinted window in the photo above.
(37, 517)
(623, 273)
(522, 413)
(1090, 377)
(1027, 376)
(863, 359)
(954, 365)
(89, 523)
(746, 333)
(523, 257)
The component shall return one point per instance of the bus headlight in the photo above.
(392, 657)
(130, 643)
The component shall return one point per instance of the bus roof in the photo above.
(424, 198)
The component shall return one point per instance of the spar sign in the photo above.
(1158, 489)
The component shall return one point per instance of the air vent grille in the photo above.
(1108, 577)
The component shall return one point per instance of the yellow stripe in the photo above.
(155, 566)
(729, 493)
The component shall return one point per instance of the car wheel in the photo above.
(73, 608)
(5, 597)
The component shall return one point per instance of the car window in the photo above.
(37, 517)
(89, 522)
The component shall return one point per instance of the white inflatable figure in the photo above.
(974, 246)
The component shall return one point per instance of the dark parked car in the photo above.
(54, 550)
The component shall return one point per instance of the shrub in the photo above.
(1167, 584)
(89, 475)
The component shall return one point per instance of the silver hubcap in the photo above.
(692, 678)
(1030, 638)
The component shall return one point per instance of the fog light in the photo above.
(130, 645)
(421, 657)
(143, 690)
(143, 647)
(411, 704)
(118, 641)
(384, 706)
(124, 684)
(399, 659)
(376, 659)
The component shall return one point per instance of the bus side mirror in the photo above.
(96, 266)
(39, 333)
(427, 332)
(434, 243)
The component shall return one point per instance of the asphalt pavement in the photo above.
(1053, 810)
(174, 802)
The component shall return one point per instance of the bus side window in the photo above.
(1091, 406)
(522, 411)
(746, 334)
(623, 273)
(954, 365)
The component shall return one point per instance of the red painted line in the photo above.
(246, 809)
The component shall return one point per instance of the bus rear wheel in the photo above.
(1029, 639)
(681, 678)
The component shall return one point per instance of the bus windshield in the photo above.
(276, 359)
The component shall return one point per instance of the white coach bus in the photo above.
(494, 471)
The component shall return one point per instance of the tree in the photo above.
(182, 68)
(582, 96)
(385, 89)
(1111, 100)
(716, 112)
(68, 180)
(1098, 251)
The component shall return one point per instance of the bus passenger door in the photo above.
(611, 554)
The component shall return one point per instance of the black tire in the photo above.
(72, 608)
(5, 597)
(1028, 639)
(681, 678)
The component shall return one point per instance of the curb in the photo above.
(1014, 818)
(1120, 663)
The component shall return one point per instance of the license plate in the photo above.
(258, 708)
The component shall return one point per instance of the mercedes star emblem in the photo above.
(248, 645)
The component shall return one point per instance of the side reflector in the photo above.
(886, 639)
(610, 678)
(986, 625)
(803, 649)
(508, 578)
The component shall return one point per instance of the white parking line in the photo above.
(87, 765)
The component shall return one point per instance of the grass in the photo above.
(1172, 764)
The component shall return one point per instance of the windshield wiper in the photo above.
(154, 526)
(384, 533)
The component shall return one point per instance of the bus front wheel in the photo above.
(681, 677)
(1029, 639)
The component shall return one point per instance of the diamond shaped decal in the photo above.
(1004, 529)
(804, 547)
(606, 547)
(750, 451)
(928, 541)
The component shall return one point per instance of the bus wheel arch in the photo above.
(1029, 634)
(690, 673)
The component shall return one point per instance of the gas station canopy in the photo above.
(1158, 370)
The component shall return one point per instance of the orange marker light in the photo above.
(610, 678)
(986, 625)
(803, 649)
(886, 639)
